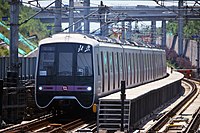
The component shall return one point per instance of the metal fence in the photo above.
(27, 66)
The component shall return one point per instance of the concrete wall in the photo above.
(147, 103)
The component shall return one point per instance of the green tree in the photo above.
(172, 27)
(191, 28)
(4, 9)
(33, 26)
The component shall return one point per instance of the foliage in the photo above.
(31, 28)
(3, 51)
(177, 61)
(190, 28)
(172, 27)
(4, 9)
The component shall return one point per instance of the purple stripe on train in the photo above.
(64, 88)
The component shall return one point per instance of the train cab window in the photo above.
(84, 64)
(65, 64)
(47, 60)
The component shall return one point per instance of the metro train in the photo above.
(81, 68)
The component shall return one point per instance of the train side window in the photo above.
(133, 67)
(130, 62)
(110, 62)
(118, 69)
(126, 65)
(102, 62)
(98, 64)
(113, 64)
(109, 69)
(105, 62)
(138, 67)
(122, 65)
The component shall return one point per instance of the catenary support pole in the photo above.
(71, 15)
(164, 32)
(14, 29)
(153, 32)
(58, 17)
(180, 28)
(86, 4)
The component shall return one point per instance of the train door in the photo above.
(104, 62)
(98, 75)
(110, 71)
(131, 70)
(148, 58)
(146, 67)
(153, 65)
(121, 77)
(126, 70)
(133, 67)
(138, 68)
(141, 62)
(118, 70)
(114, 70)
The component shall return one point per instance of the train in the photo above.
(188, 73)
(80, 68)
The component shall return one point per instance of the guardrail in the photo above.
(27, 66)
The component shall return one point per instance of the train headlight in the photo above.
(89, 88)
(40, 88)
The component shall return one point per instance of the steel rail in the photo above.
(68, 126)
(165, 118)
(194, 124)
(30, 125)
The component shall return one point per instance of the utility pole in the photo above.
(180, 28)
(71, 15)
(86, 5)
(58, 16)
(103, 10)
(14, 29)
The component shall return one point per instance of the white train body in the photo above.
(99, 75)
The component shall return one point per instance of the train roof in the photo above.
(93, 40)
(69, 37)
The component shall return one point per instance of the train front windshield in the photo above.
(65, 69)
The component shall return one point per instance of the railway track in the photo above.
(174, 120)
(52, 124)
(30, 125)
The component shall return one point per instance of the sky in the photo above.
(119, 2)
(95, 3)
(115, 2)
